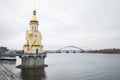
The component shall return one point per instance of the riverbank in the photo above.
(105, 51)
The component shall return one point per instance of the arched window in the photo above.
(28, 49)
(74, 51)
(67, 51)
(32, 27)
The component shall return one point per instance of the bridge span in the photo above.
(70, 49)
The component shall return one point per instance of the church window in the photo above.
(28, 49)
(36, 35)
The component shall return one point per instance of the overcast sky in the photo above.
(88, 24)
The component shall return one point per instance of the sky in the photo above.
(88, 24)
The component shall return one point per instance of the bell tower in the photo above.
(34, 22)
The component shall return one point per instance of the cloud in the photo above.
(83, 23)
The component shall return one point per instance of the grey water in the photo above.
(73, 66)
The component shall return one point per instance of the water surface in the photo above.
(74, 67)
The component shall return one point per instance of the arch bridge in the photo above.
(73, 50)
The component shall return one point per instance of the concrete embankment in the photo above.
(6, 74)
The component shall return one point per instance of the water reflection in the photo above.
(33, 74)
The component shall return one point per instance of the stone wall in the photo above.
(33, 61)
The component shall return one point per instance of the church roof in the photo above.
(36, 43)
(30, 33)
(26, 43)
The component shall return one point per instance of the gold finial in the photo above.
(34, 18)
(34, 11)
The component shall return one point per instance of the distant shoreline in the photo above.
(105, 51)
(12, 53)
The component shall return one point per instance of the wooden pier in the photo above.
(6, 74)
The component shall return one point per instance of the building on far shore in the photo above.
(3, 50)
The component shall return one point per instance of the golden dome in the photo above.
(34, 18)
(36, 43)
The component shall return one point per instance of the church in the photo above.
(33, 43)
(33, 56)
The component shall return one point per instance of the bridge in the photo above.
(70, 49)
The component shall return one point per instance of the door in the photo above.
(36, 51)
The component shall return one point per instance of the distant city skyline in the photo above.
(88, 24)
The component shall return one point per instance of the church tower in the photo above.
(33, 56)
(33, 43)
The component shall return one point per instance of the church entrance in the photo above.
(36, 51)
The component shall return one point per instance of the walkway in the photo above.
(6, 74)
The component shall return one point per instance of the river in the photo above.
(73, 66)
